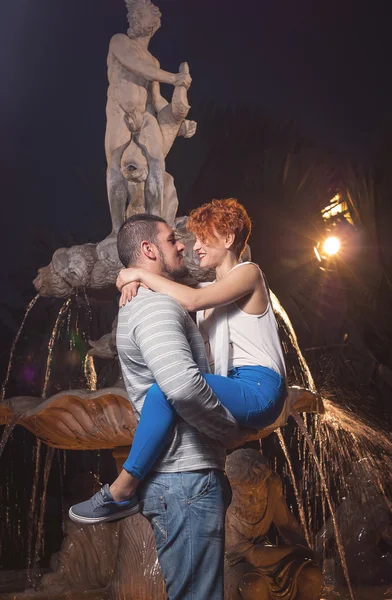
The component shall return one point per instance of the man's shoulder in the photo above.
(120, 42)
(148, 300)
(119, 38)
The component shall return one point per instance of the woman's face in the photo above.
(213, 252)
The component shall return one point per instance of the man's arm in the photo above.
(161, 337)
(122, 48)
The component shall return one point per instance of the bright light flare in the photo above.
(331, 246)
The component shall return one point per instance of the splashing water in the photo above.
(39, 543)
(12, 351)
(32, 512)
(298, 498)
(308, 381)
(325, 488)
(8, 429)
(348, 441)
(306, 376)
(62, 313)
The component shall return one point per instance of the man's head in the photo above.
(144, 18)
(147, 241)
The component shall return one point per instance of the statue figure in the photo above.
(254, 568)
(141, 128)
(141, 125)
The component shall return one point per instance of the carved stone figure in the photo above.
(96, 266)
(141, 128)
(254, 568)
(141, 125)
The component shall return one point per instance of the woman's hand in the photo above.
(129, 291)
(127, 276)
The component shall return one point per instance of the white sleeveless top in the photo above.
(233, 338)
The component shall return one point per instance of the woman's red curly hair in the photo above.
(222, 216)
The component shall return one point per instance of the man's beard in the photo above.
(170, 272)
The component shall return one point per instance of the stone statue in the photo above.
(254, 568)
(141, 128)
(141, 125)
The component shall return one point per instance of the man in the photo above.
(186, 496)
(133, 141)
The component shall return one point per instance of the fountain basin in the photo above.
(104, 419)
(75, 419)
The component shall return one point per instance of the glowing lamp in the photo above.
(331, 246)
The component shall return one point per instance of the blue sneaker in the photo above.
(101, 508)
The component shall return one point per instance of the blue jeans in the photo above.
(255, 397)
(187, 512)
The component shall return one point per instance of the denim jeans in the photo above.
(187, 512)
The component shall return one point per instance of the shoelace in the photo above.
(98, 500)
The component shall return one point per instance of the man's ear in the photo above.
(149, 250)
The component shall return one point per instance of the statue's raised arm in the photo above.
(141, 64)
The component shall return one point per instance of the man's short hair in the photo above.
(135, 230)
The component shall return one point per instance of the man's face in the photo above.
(170, 253)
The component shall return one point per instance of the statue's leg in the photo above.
(117, 139)
(254, 586)
(309, 583)
(170, 200)
(117, 190)
(151, 143)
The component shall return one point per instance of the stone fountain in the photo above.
(141, 128)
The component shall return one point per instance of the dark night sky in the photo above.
(326, 64)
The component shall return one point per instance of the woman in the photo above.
(237, 323)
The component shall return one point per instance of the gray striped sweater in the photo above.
(157, 341)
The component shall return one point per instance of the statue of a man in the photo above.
(256, 569)
(133, 143)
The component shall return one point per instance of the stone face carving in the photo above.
(141, 124)
(255, 569)
(96, 266)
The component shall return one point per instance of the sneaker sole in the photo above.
(116, 517)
